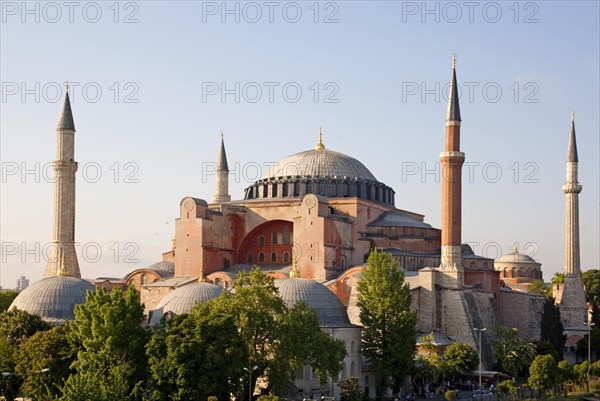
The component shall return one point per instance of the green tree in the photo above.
(566, 375)
(110, 341)
(507, 389)
(537, 286)
(271, 331)
(350, 389)
(512, 352)
(16, 326)
(48, 349)
(552, 329)
(594, 346)
(6, 298)
(591, 281)
(389, 324)
(558, 278)
(197, 356)
(543, 373)
(450, 395)
(460, 358)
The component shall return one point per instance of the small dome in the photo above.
(184, 298)
(53, 298)
(168, 267)
(320, 163)
(514, 257)
(329, 309)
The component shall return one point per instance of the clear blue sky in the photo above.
(381, 69)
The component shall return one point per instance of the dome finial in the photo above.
(62, 271)
(454, 60)
(201, 278)
(319, 145)
(67, 86)
(295, 273)
(515, 248)
(572, 116)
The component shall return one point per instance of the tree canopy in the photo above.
(512, 352)
(389, 324)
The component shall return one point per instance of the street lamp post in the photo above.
(589, 325)
(480, 364)
(252, 369)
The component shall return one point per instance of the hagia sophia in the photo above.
(311, 222)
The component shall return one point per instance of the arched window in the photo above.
(273, 257)
(261, 257)
(472, 265)
(352, 349)
(286, 257)
(485, 265)
(261, 240)
(343, 262)
(226, 263)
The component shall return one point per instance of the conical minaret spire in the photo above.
(63, 259)
(572, 305)
(222, 176)
(452, 160)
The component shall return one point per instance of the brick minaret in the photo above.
(222, 176)
(63, 259)
(452, 160)
(572, 304)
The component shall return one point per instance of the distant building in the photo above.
(22, 283)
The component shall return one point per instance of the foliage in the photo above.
(507, 389)
(543, 373)
(460, 358)
(110, 341)
(351, 390)
(197, 356)
(16, 326)
(591, 281)
(552, 329)
(537, 286)
(271, 331)
(212, 398)
(6, 298)
(450, 395)
(48, 349)
(558, 278)
(594, 346)
(268, 397)
(512, 352)
(389, 324)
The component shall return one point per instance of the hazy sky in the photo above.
(153, 83)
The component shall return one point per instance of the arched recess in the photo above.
(275, 238)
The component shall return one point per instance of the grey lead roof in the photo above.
(329, 309)
(453, 107)
(53, 298)
(396, 219)
(222, 157)
(572, 150)
(65, 119)
(320, 163)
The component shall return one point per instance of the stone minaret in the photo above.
(222, 176)
(452, 160)
(573, 308)
(63, 259)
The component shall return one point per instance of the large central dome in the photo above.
(322, 172)
(321, 163)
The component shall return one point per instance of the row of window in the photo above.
(285, 237)
(273, 258)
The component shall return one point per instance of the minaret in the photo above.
(452, 160)
(572, 304)
(63, 259)
(222, 176)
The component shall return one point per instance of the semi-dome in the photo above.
(164, 266)
(320, 171)
(53, 298)
(329, 309)
(515, 257)
(184, 298)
